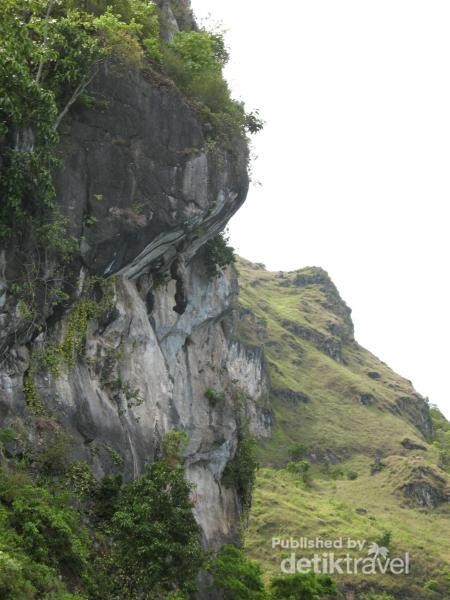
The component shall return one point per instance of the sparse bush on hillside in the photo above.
(439, 586)
(303, 586)
(332, 471)
(377, 596)
(352, 475)
(385, 539)
(377, 466)
(301, 468)
(297, 452)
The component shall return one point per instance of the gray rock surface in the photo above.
(144, 190)
(164, 362)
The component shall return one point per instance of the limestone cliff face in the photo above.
(140, 182)
(165, 363)
(143, 189)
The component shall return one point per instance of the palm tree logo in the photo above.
(377, 551)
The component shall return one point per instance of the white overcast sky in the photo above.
(354, 161)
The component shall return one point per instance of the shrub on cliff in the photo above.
(218, 254)
(195, 61)
(241, 471)
(303, 586)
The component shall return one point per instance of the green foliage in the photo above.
(441, 440)
(106, 497)
(297, 452)
(439, 586)
(132, 396)
(80, 479)
(200, 52)
(7, 435)
(40, 538)
(301, 468)
(214, 396)
(54, 458)
(157, 547)
(29, 52)
(377, 596)
(120, 39)
(352, 475)
(218, 254)
(172, 446)
(145, 536)
(195, 61)
(31, 394)
(49, 51)
(77, 323)
(377, 466)
(303, 586)
(385, 539)
(240, 472)
(237, 577)
(96, 300)
(116, 458)
(333, 472)
(253, 122)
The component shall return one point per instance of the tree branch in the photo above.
(76, 94)
(45, 41)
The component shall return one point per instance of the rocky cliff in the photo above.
(143, 188)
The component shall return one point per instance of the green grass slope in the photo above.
(379, 470)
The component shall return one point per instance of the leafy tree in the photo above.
(236, 576)
(303, 586)
(156, 538)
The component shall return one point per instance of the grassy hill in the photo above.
(376, 455)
